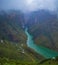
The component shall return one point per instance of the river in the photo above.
(45, 52)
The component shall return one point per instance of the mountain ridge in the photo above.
(44, 27)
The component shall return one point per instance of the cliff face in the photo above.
(11, 26)
(43, 25)
(13, 38)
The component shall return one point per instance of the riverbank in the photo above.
(45, 52)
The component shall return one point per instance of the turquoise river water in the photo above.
(45, 52)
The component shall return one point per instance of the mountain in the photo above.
(13, 38)
(43, 25)
(11, 25)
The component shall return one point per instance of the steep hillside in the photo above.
(43, 25)
(10, 26)
(13, 38)
(13, 48)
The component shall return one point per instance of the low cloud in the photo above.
(23, 5)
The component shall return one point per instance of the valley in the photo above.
(21, 47)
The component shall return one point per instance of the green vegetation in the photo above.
(44, 27)
(17, 51)
(6, 61)
(49, 62)
(13, 39)
(13, 48)
(13, 54)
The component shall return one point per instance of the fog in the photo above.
(28, 5)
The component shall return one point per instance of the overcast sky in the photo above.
(28, 5)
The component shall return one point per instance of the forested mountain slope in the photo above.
(13, 38)
(43, 25)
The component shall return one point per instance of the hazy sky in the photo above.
(27, 5)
